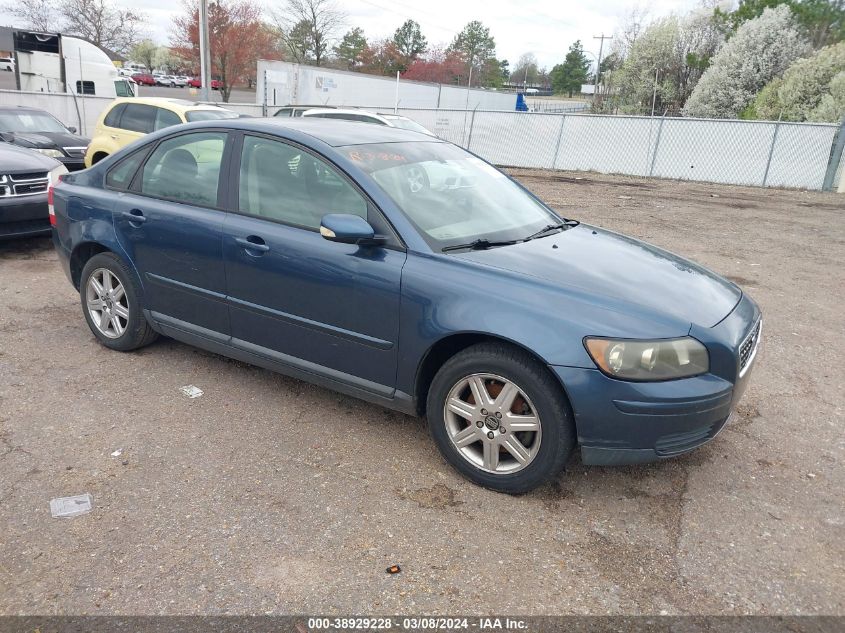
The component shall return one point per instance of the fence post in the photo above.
(471, 124)
(771, 151)
(657, 144)
(264, 100)
(835, 157)
(559, 138)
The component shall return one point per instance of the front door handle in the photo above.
(135, 217)
(252, 243)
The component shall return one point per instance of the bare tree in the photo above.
(102, 24)
(38, 15)
(307, 27)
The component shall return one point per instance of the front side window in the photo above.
(451, 196)
(138, 117)
(284, 183)
(166, 118)
(185, 168)
(123, 89)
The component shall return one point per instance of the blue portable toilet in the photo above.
(521, 106)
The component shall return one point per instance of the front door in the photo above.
(325, 307)
(170, 224)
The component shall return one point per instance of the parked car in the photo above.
(391, 120)
(196, 82)
(7, 64)
(519, 334)
(126, 120)
(297, 110)
(178, 81)
(144, 79)
(38, 130)
(24, 181)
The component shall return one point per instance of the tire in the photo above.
(127, 328)
(544, 451)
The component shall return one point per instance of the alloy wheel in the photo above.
(492, 423)
(107, 304)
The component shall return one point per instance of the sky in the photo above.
(543, 27)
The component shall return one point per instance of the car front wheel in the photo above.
(111, 303)
(500, 418)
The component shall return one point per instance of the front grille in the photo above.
(749, 348)
(680, 442)
(23, 184)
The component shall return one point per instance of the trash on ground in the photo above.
(393, 569)
(117, 453)
(71, 506)
(191, 391)
(625, 197)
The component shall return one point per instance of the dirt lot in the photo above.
(270, 495)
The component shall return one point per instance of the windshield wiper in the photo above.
(552, 227)
(479, 244)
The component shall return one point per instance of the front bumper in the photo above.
(622, 422)
(72, 163)
(24, 216)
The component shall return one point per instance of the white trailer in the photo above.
(52, 62)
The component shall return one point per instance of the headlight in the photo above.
(55, 174)
(663, 359)
(52, 153)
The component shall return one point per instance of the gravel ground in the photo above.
(268, 495)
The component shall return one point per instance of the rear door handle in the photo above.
(135, 216)
(252, 243)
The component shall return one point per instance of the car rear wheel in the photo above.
(500, 418)
(111, 303)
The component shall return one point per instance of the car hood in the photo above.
(619, 272)
(49, 139)
(17, 160)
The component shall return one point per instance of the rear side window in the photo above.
(113, 117)
(185, 168)
(120, 176)
(166, 118)
(138, 118)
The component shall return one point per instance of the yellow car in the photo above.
(126, 120)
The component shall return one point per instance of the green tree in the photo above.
(144, 52)
(409, 42)
(568, 76)
(798, 94)
(823, 21)
(475, 44)
(307, 27)
(351, 48)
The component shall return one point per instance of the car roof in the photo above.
(342, 111)
(336, 133)
(173, 103)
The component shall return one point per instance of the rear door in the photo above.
(321, 306)
(170, 221)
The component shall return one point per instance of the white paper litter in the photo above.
(117, 452)
(191, 391)
(71, 506)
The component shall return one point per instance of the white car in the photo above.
(420, 176)
(178, 81)
(7, 64)
(390, 120)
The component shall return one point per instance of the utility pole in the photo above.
(205, 53)
(601, 37)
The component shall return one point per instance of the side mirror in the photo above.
(71, 129)
(348, 229)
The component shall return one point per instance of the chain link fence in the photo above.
(757, 153)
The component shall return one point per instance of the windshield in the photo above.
(30, 122)
(407, 124)
(451, 196)
(210, 115)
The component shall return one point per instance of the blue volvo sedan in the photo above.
(403, 270)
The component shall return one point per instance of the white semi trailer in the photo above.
(52, 62)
